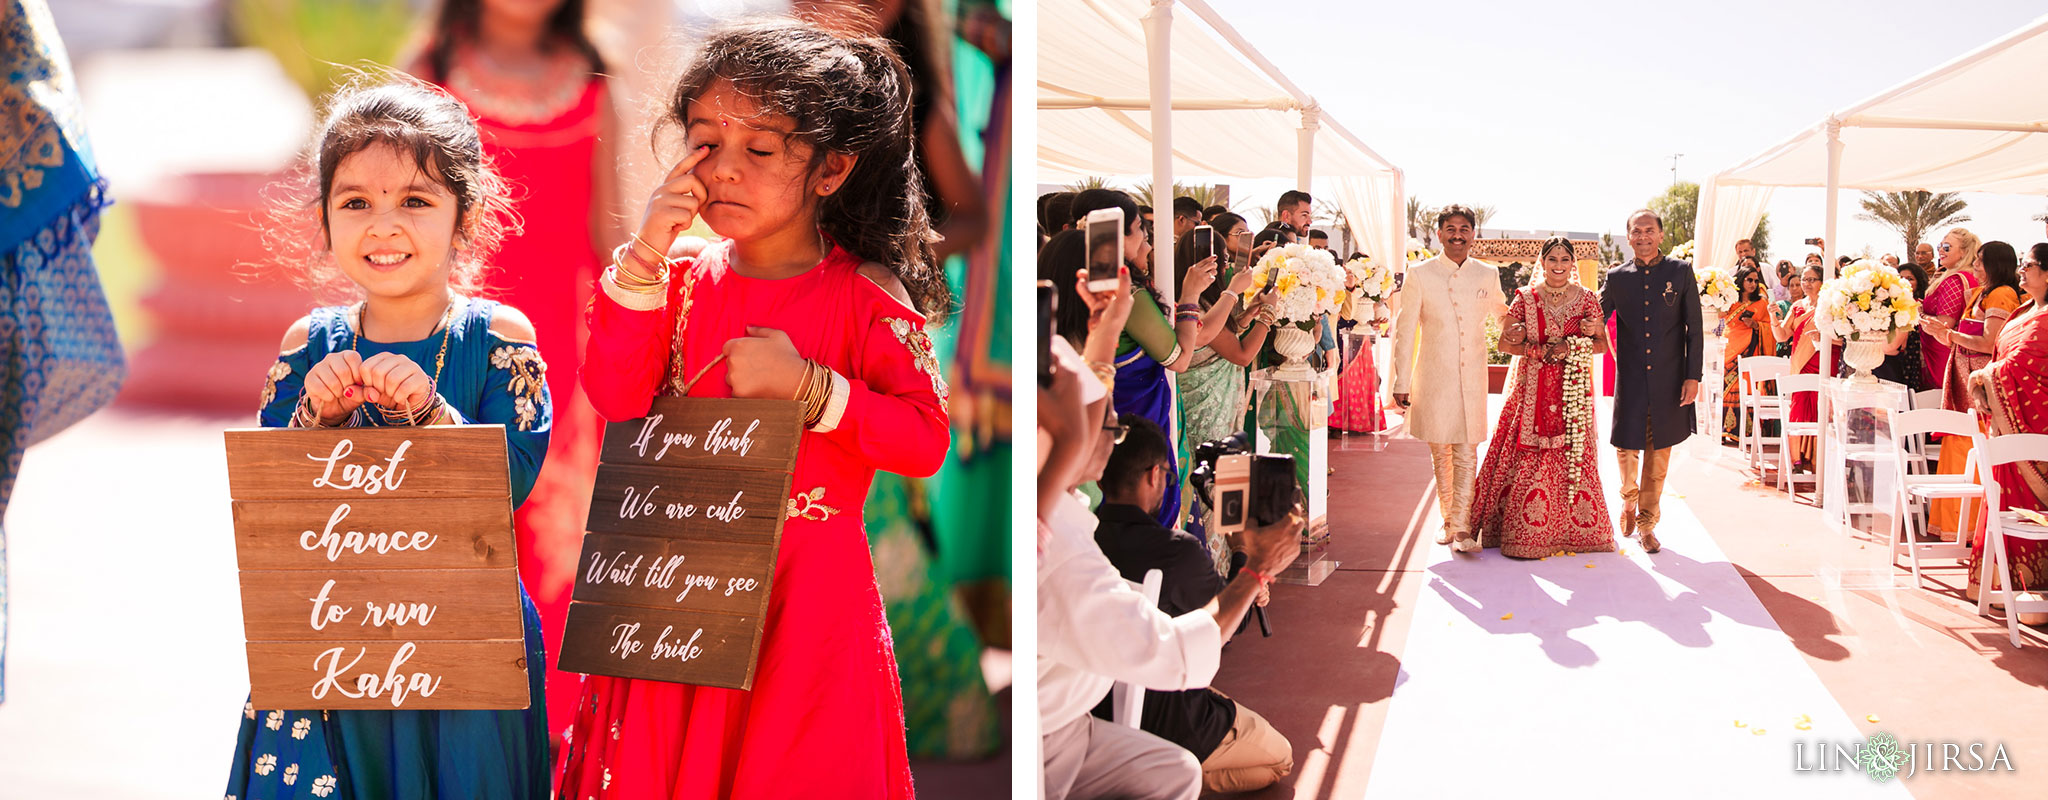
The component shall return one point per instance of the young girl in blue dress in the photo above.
(398, 209)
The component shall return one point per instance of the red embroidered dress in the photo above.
(825, 717)
(1538, 492)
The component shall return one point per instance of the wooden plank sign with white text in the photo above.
(674, 577)
(378, 567)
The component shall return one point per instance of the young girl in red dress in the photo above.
(534, 82)
(800, 156)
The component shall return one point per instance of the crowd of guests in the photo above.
(1979, 342)
(1113, 352)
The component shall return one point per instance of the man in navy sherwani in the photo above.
(1657, 359)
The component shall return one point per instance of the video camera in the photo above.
(1243, 489)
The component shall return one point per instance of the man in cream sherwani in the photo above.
(1440, 364)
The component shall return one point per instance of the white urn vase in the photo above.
(1710, 320)
(1294, 345)
(1864, 354)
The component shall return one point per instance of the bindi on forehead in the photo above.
(724, 108)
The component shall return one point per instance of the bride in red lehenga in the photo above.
(1538, 492)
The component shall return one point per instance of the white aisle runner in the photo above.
(1622, 680)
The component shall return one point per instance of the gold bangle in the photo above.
(626, 279)
(659, 256)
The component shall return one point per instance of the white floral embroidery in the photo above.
(615, 731)
(607, 779)
(265, 763)
(529, 379)
(274, 720)
(278, 371)
(301, 727)
(291, 774)
(323, 786)
(569, 734)
(249, 710)
(920, 345)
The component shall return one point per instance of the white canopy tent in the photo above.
(1972, 124)
(1113, 96)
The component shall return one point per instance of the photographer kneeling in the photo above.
(1239, 750)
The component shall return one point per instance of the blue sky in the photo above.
(1564, 115)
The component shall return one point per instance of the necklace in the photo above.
(447, 331)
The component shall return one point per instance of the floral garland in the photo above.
(1578, 404)
(1683, 252)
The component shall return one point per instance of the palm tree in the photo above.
(1090, 182)
(1421, 221)
(1914, 213)
(1203, 193)
(1483, 213)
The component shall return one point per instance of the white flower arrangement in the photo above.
(1682, 252)
(1375, 280)
(1866, 300)
(1308, 281)
(1717, 288)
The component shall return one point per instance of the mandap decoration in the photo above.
(1864, 306)
(1308, 283)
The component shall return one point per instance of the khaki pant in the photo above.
(1642, 493)
(1091, 758)
(1456, 467)
(1252, 756)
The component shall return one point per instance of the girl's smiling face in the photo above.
(757, 174)
(390, 226)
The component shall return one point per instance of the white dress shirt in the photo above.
(1095, 629)
(1440, 348)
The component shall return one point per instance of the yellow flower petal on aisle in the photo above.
(1872, 717)
(1590, 565)
(1804, 726)
(1758, 732)
(1738, 723)
(1509, 615)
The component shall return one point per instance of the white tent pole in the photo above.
(1823, 413)
(1305, 149)
(1158, 37)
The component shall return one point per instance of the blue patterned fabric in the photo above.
(59, 358)
(1142, 391)
(366, 755)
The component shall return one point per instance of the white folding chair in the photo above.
(1787, 387)
(1998, 451)
(1127, 702)
(1923, 456)
(1753, 406)
(1908, 513)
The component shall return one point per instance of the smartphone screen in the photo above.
(1205, 241)
(1048, 301)
(1273, 490)
(1105, 249)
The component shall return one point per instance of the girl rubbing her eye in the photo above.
(798, 154)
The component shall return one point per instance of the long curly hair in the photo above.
(848, 95)
(418, 121)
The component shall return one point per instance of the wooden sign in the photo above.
(378, 567)
(684, 522)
